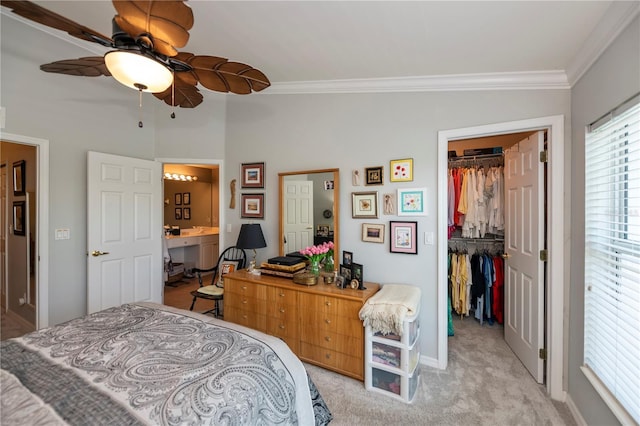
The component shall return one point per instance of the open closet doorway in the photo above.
(192, 201)
(552, 233)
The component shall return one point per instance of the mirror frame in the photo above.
(336, 209)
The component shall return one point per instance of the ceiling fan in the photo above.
(146, 35)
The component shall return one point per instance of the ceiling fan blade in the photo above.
(167, 21)
(220, 75)
(46, 17)
(91, 66)
(184, 95)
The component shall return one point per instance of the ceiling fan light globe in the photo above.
(137, 71)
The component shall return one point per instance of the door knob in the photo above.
(97, 253)
(506, 255)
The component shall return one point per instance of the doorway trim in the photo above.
(555, 285)
(42, 215)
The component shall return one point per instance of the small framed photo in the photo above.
(18, 217)
(253, 175)
(323, 231)
(345, 271)
(412, 202)
(373, 232)
(19, 176)
(404, 237)
(401, 170)
(373, 175)
(177, 199)
(186, 213)
(252, 206)
(364, 205)
(357, 276)
(186, 198)
(178, 213)
(328, 185)
(347, 258)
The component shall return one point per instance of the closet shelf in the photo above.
(477, 240)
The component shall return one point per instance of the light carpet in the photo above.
(484, 384)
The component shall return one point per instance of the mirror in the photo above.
(309, 210)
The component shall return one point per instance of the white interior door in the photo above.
(524, 236)
(298, 218)
(124, 213)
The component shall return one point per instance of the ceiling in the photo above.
(309, 41)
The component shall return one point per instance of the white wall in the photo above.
(614, 78)
(298, 132)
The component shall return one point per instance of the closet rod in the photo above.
(476, 240)
(475, 157)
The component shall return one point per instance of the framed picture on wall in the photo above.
(253, 175)
(364, 205)
(19, 173)
(18, 217)
(186, 213)
(178, 199)
(401, 170)
(178, 213)
(404, 237)
(373, 175)
(373, 232)
(252, 206)
(186, 198)
(412, 202)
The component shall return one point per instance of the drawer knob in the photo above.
(282, 310)
(281, 294)
(327, 356)
(245, 316)
(281, 327)
(328, 321)
(244, 287)
(327, 338)
(245, 302)
(327, 303)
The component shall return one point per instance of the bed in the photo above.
(144, 363)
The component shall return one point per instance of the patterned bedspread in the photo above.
(151, 364)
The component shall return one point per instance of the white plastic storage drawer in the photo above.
(397, 385)
(410, 332)
(405, 359)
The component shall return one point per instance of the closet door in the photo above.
(524, 238)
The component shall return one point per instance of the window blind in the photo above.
(612, 257)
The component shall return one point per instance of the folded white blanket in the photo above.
(385, 311)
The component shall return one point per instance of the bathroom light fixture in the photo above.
(176, 176)
(136, 70)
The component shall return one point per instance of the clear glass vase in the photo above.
(329, 265)
(314, 266)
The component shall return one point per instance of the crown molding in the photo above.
(528, 80)
(616, 19)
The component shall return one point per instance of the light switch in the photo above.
(428, 238)
(62, 234)
(228, 227)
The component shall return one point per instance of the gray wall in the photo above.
(611, 80)
(80, 114)
(348, 131)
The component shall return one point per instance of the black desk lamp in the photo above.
(251, 237)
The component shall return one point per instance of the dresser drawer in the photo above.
(330, 305)
(321, 322)
(246, 318)
(350, 345)
(246, 303)
(242, 288)
(348, 365)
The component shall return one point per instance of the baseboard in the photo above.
(429, 362)
(577, 416)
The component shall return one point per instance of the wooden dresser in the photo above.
(319, 323)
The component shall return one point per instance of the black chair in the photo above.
(232, 259)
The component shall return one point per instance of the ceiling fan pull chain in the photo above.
(173, 94)
(140, 107)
